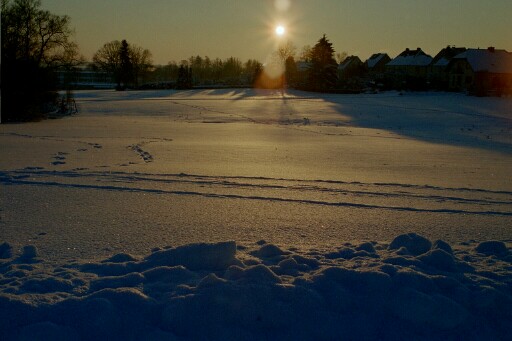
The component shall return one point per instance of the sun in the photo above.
(280, 30)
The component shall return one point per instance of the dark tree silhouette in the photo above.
(258, 70)
(323, 70)
(141, 63)
(34, 44)
(205, 71)
(290, 71)
(125, 76)
(286, 50)
(125, 62)
(184, 77)
(107, 58)
(252, 70)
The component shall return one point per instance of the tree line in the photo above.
(321, 73)
(205, 71)
(36, 44)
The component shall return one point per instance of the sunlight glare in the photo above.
(280, 30)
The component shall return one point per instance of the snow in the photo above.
(498, 61)
(412, 243)
(219, 214)
(492, 247)
(374, 59)
(411, 58)
(243, 293)
(442, 62)
(350, 60)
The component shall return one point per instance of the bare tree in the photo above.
(286, 50)
(34, 43)
(340, 57)
(109, 59)
(305, 53)
(142, 62)
(29, 33)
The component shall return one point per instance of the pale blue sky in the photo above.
(177, 29)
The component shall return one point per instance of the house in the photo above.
(376, 69)
(351, 67)
(301, 78)
(481, 72)
(84, 76)
(438, 76)
(409, 69)
(376, 64)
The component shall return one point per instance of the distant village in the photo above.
(479, 72)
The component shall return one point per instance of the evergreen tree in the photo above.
(126, 67)
(323, 70)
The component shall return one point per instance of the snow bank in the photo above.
(411, 288)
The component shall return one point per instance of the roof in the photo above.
(445, 55)
(303, 66)
(411, 58)
(375, 59)
(349, 61)
(442, 62)
(490, 60)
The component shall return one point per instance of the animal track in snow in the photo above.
(95, 145)
(59, 158)
(147, 157)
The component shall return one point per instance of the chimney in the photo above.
(491, 49)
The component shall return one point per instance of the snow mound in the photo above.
(5, 251)
(413, 243)
(492, 247)
(411, 289)
(195, 256)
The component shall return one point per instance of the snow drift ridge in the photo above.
(411, 288)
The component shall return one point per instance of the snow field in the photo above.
(82, 199)
(411, 288)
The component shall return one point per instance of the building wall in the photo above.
(461, 76)
(407, 76)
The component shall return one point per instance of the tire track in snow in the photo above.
(367, 196)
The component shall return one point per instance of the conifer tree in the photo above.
(323, 70)
(126, 66)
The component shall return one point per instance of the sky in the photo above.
(178, 29)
